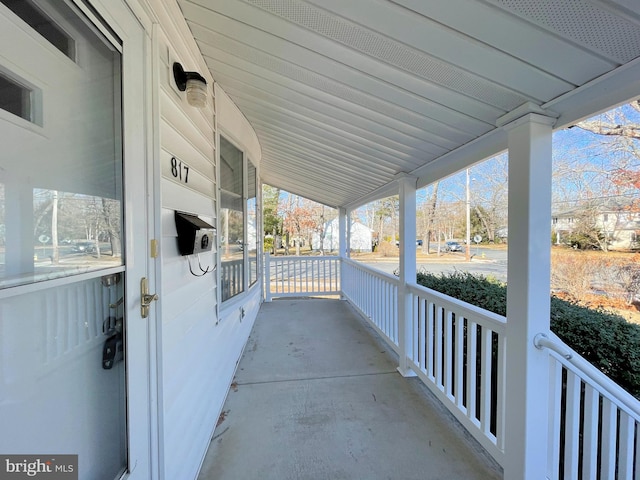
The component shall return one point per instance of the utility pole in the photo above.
(468, 244)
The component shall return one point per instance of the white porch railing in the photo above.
(301, 276)
(458, 351)
(375, 295)
(594, 425)
(232, 277)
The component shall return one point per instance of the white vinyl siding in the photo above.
(189, 406)
(199, 347)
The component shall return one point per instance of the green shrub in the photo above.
(268, 244)
(478, 290)
(605, 339)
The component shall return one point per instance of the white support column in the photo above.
(347, 227)
(528, 303)
(267, 276)
(407, 192)
(343, 233)
(343, 247)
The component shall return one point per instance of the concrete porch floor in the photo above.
(317, 396)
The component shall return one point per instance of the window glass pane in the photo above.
(15, 98)
(252, 224)
(42, 24)
(61, 203)
(231, 174)
(87, 229)
(232, 220)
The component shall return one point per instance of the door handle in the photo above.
(146, 298)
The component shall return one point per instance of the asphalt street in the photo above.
(485, 261)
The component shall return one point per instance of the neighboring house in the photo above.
(617, 220)
(360, 238)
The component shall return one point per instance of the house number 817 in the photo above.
(179, 170)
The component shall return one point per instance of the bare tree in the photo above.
(614, 123)
(628, 278)
(386, 217)
(55, 255)
(429, 215)
(620, 129)
(597, 175)
(112, 218)
(297, 222)
(488, 195)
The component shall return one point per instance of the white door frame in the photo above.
(132, 24)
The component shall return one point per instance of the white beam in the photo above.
(603, 93)
(528, 302)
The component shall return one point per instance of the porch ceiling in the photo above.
(346, 95)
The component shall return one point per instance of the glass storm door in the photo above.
(66, 292)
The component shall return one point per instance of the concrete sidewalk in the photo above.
(317, 396)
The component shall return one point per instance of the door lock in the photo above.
(146, 298)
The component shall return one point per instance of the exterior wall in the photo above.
(198, 348)
(360, 237)
(621, 228)
(187, 408)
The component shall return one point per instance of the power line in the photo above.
(603, 197)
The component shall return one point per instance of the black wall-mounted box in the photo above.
(194, 234)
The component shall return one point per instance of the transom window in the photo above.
(33, 15)
(14, 98)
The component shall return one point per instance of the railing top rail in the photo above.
(273, 258)
(383, 275)
(233, 260)
(598, 380)
(464, 309)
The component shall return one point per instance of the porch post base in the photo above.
(406, 372)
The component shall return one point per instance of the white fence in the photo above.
(301, 276)
(458, 351)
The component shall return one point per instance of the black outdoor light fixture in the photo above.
(194, 84)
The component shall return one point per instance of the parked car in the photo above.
(84, 247)
(452, 247)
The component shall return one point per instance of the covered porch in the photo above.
(342, 103)
(355, 101)
(317, 395)
(456, 352)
